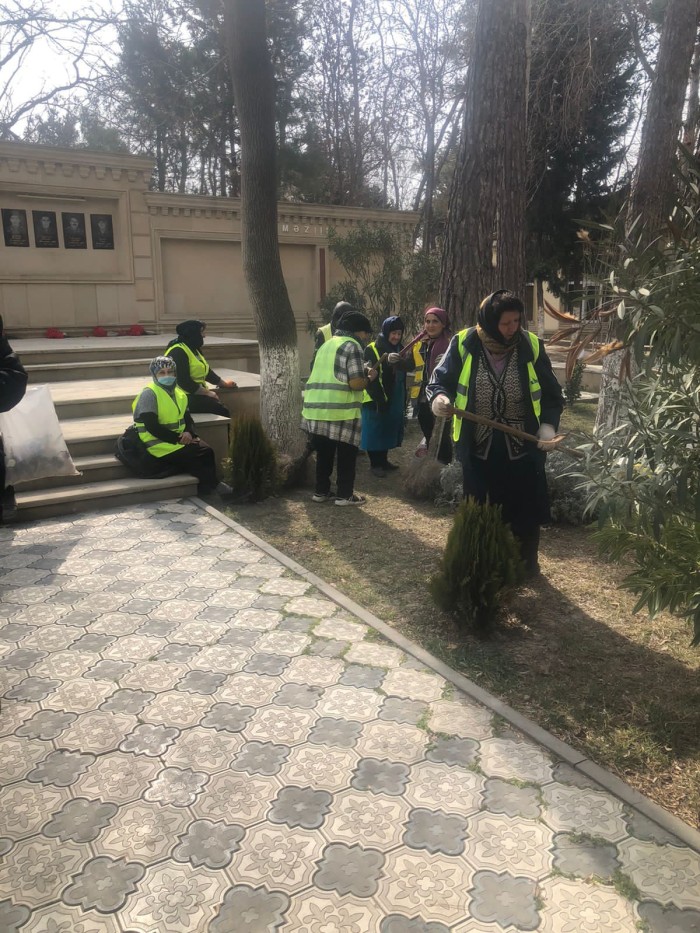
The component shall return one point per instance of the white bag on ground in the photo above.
(33, 440)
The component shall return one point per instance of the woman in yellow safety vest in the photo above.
(162, 440)
(193, 371)
(502, 372)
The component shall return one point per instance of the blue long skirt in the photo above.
(383, 430)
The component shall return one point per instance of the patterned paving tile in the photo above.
(194, 739)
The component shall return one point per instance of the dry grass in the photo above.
(567, 652)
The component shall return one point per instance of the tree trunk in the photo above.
(253, 88)
(539, 306)
(487, 198)
(653, 189)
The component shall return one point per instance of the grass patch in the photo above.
(567, 651)
(625, 887)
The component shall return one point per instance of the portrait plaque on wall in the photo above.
(74, 231)
(45, 229)
(102, 232)
(14, 225)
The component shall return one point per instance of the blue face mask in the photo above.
(166, 381)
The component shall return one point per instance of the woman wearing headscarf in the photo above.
(162, 440)
(13, 384)
(502, 372)
(384, 401)
(436, 324)
(193, 371)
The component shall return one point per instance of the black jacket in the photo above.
(446, 377)
(13, 376)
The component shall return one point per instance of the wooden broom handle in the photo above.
(507, 429)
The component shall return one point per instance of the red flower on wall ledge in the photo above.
(99, 332)
(54, 333)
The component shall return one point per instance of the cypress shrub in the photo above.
(481, 559)
(252, 468)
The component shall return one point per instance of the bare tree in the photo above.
(254, 93)
(29, 29)
(485, 241)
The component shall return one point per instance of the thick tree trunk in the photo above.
(253, 89)
(487, 199)
(653, 189)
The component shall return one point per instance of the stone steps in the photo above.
(93, 383)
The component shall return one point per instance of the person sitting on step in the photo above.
(193, 371)
(162, 440)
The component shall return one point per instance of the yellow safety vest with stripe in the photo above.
(325, 332)
(366, 397)
(198, 365)
(462, 396)
(326, 398)
(171, 415)
(418, 371)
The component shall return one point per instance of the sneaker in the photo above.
(224, 489)
(322, 496)
(378, 471)
(353, 500)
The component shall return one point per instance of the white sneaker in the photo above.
(353, 500)
(223, 489)
(322, 496)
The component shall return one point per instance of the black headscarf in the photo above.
(353, 321)
(189, 333)
(338, 312)
(490, 311)
(391, 323)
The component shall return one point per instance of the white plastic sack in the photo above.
(33, 440)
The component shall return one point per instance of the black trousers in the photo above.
(518, 486)
(326, 451)
(378, 458)
(205, 404)
(196, 460)
(426, 420)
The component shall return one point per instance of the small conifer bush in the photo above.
(481, 559)
(573, 390)
(252, 468)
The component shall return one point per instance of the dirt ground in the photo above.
(568, 652)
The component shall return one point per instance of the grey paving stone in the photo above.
(92, 643)
(298, 696)
(177, 652)
(300, 806)
(584, 859)
(208, 844)
(80, 820)
(398, 710)
(349, 870)
(46, 724)
(294, 623)
(104, 884)
(13, 917)
(5, 846)
(359, 675)
(79, 617)
(261, 758)
(150, 739)
(453, 751)
(201, 682)
(127, 701)
(395, 923)
(342, 733)
(236, 636)
(61, 768)
(669, 919)
(33, 689)
(328, 647)
(21, 659)
(380, 777)
(503, 797)
(228, 717)
(250, 910)
(15, 631)
(270, 602)
(158, 627)
(108, 670)
(645, 829)
(272, 664)
(504, 899)
(435, 831)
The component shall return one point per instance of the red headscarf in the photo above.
(438, 346)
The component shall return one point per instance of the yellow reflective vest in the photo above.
(326, 398)
(198, 365)
(171, 415)
(418, 371)
(325, 332)
(462, 396)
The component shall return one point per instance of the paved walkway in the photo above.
(195, 738)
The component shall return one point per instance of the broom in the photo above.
(507, 429)
(424, 472)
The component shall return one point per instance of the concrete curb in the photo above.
(610, 782)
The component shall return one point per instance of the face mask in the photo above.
(166, 381)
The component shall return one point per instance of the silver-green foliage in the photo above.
(644, 478)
